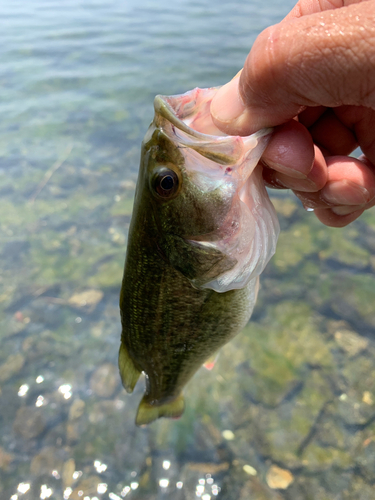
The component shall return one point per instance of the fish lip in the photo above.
(165, 109)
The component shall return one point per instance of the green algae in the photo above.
(293, 245)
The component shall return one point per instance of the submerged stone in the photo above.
(68, 470)
(5, 458)
(46, 461)
(77, 409)
(351, 342)
(29, 422)
(87, 487)
(278, 478)
(88, 299)
(105, 380)
(12, 366)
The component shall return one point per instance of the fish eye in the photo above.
(165, 182)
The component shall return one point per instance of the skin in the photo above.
(312, 76)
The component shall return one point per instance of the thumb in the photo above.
(322, 59)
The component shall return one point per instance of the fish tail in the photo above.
(148, 413)
(129, 373)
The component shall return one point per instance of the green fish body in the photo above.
(202, 230)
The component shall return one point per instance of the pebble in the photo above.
(45, 462)
(88, 299)
(5, 459)
(72, 432)
(351, 342)
(279, 479)
(77, 409)
(86, 488)
(367, 398)
(68, 470)
(12, 366)
(104, 380)
(29, 422)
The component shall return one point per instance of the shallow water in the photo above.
(288, 411)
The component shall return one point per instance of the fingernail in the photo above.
(227, 104)
(345, 193)
(345, 210)
(291, 172)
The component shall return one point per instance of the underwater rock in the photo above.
(358, 490)
(276, 362)
(342, 246)
(29, 422)
(286, 430)
(128, 185)
(101, 411)
(5, 458)
(44, 345)
(366, 461)
(279, 479)
(324, 457)
(354, 297)
(45, 462)
(12, 366)
(253, 488)
(72, 432)
(351, 408)
(354, 404)
(12, 325)
(104, 380)
(108, 274)
(68, 470)
(367, 398)
(77, 409)
(88, 299)
(351, 342)
(86, 488)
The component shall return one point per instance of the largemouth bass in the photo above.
(202, 231)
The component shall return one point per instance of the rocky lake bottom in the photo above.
(288, 410)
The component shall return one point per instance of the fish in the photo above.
(202, 231)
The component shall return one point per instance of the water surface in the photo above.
(288, 412)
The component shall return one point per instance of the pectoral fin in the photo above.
(148, 413)
(129, 373)
(199, 262)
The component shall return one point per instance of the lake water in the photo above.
(288, 411)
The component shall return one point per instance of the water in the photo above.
(288, 411)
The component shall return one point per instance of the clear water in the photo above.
(288, 411)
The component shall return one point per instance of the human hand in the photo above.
(312, 76)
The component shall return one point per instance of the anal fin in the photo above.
(129, 373)
(148, 413)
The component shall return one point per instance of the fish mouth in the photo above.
(181, 111)
(190, 119)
